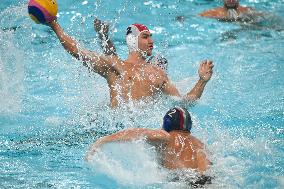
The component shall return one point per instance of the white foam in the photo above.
(132, 163)
(11, 75)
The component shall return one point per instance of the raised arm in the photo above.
(205, 72)
(102, 30)
(152, 136)
(99, 64)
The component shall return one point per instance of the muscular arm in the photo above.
(202, 162)
(205, 72)
(201, 155)
(219, 12)
(152, 137)
(99, 64)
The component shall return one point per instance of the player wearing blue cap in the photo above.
(177, 147)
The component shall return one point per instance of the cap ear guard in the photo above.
(132, 35)
(167, 124)
(189, 122)
(132, 42)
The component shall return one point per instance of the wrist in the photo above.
(53, 24)
(202, 79)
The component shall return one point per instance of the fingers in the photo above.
(97, 21)
(210, 72)
(206, 63)
(209, 62)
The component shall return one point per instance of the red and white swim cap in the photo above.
(132, 33)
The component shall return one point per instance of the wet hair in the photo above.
(231, 4)
(177, 118)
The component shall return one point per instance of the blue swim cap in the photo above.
(177, 119)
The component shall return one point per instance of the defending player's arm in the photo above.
(152, 136)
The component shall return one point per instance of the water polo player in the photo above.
(133, 78)
(108, 47)
(178, 149)
(231, 11)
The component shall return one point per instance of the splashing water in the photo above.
(52, 108)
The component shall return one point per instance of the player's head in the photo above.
(177, 119)
(231, 4)
(139, 38)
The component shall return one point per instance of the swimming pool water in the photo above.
(52, 108)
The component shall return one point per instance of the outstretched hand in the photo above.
(205, 70)
(100, 27)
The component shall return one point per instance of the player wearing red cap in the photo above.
(102, 29)
(133, 78)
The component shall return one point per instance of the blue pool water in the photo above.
(52, 108)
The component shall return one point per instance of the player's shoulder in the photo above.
(216, 12)
(244, 9)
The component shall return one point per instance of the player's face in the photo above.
(145, 42)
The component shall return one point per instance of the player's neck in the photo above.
(136, 58)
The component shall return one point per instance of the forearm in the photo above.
(69, 44)
(125, 135)
(93, 148)
(152, 136)
(196, 92)
(107, 45)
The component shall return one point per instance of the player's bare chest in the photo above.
(147, 77)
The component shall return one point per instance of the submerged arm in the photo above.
(152, 136)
